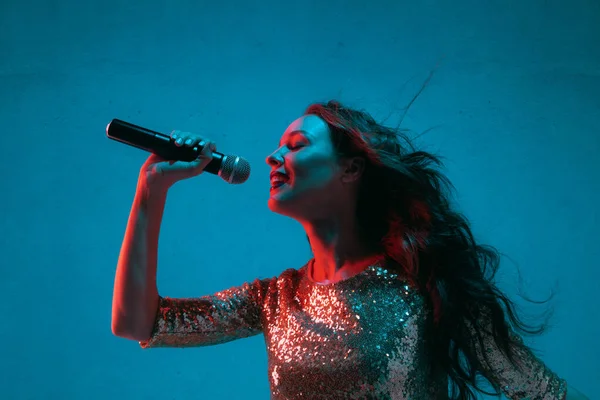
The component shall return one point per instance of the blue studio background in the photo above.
(515, 104)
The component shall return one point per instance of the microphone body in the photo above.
(232, 169)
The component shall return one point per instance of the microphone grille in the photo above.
(234, 169)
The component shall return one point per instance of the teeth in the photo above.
(278, 179)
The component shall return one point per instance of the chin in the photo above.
(293, 204)
(281, 204)
(277, 206)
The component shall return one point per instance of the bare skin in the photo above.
(320, 192)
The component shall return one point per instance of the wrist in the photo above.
(150, 194)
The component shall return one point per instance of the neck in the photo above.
(337, 249)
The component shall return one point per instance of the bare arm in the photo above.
(140, 314)
(135, 296)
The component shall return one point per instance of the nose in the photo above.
(275, 159)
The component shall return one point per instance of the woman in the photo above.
(395, 303)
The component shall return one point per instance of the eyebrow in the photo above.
(294, 133)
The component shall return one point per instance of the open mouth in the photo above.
(278, 180)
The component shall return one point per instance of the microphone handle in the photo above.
(158, 143)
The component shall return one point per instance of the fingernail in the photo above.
(179, 141)
(189, 141)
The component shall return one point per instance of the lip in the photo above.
(285, 177)
(276, 188)
(274, 173)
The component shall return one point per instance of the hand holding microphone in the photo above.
(178, 156)
(165, 173)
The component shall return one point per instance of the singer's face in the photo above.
(311, 187)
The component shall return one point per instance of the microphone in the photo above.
(232, 169)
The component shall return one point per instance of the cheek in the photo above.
(315, 177)
(312, 167)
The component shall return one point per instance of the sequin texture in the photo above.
(360, 338)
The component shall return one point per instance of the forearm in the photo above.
(135, 295)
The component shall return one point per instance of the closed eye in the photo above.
(295, 145)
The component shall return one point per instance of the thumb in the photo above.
(204, 158)
(178, 170)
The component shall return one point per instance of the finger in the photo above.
(184, 169)
(175, 135)
(208, 144)
(192, 141)
(205, 156)
(179, 137)
(207, 148)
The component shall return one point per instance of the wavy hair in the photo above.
(404, 212)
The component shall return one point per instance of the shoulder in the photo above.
(287, 276)
(292, 274)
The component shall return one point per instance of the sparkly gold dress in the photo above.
(359, 338)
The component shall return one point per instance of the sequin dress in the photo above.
(359, 338)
